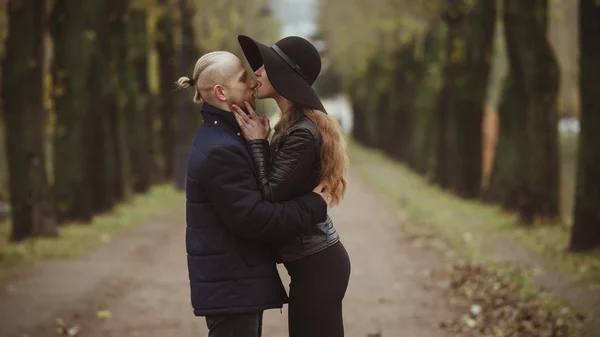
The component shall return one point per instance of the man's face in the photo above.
(241, 87)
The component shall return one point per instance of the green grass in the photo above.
(456, 219)
(76, 238)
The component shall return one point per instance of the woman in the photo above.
(307, 148)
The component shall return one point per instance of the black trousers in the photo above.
(318, 285)
(249, 325)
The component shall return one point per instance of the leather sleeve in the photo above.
(291, 164)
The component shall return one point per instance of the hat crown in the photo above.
(304, 54)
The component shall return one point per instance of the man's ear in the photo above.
(219, 92)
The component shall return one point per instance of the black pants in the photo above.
(318, 285)
(249, 325)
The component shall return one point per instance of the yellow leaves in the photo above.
(217, 23)
(498, 307)
(59, 91)
(404, 36)
(61, 74)
(104, 314)
(235, 19)
(387, 26)
(471, 323)
(458, 53)
(89, 35)
(356, 33)
(143, 4)
(433, 6)
(63, 329)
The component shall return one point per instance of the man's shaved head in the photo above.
(220, 78)
(214, 68)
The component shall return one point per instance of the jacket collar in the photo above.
(217, 117)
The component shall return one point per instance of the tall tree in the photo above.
(166, 58)
(526, 166)
(469, 46)
(187, 56)
(31, 198)
(74, 42)
(101, 164)
(422, 153)
(117, 66)
(586, 228)
(359, 112)
(139, 114)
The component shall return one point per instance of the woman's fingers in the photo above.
(239, 113)
(250, 110)
(264, 120)
(240, 122)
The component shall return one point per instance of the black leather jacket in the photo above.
(290, 168)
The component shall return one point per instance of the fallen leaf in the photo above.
(73, 331)
(494, 306)
(475, 309)
(104, 314)
(471, 323)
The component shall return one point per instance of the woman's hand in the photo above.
(253, 127)
(321, 190)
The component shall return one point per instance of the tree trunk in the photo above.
(463, 96)
(182, 120)
(372, 95)
(359, 114)
(585, 233)
(510, 165)
(101, 163)
(75, 42)
(166, 58)
(407, 120)
(99, 147)
(139, 115)
(526, 171)
(117, 16)
(423, 138)
(31, 199)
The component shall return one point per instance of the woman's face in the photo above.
(265, 89)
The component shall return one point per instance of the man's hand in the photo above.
(253, 127)
(321, 190)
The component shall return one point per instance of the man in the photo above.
(233, 275)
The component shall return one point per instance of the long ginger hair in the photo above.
(334, 156)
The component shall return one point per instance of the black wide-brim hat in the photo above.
(292, 64)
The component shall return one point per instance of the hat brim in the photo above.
(287, 82)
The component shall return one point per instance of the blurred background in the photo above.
(481, 99)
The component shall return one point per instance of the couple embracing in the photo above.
(253, 201)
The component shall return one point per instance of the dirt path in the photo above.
(141, 280)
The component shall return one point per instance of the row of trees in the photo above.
(90, 113)
(419, 78)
